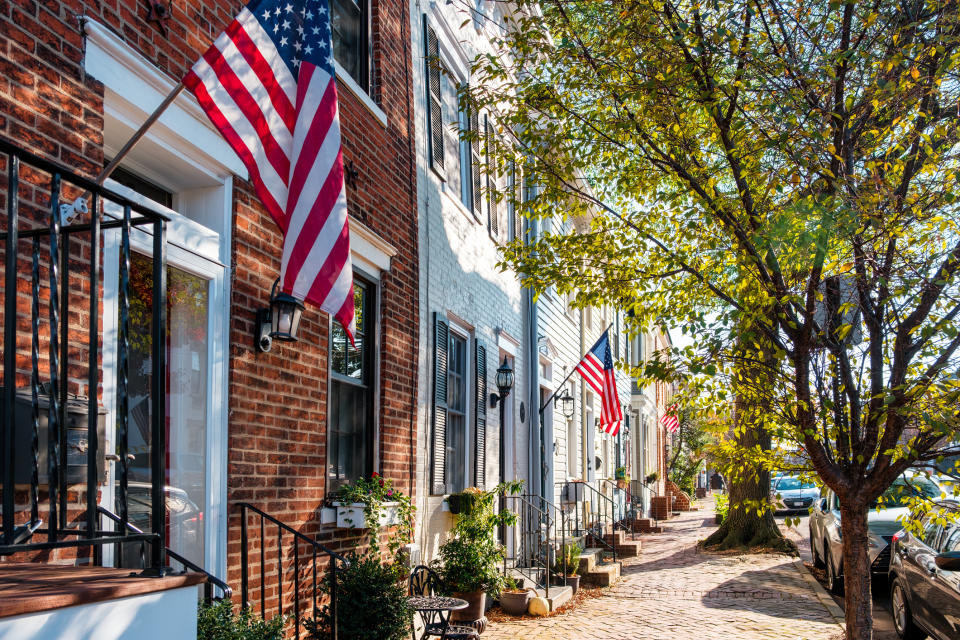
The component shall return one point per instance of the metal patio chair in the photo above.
(425, 582)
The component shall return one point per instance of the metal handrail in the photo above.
(656, 494)
(544, 541)
(628, 500)
(212, 580)
(605, 502)
(318, 548)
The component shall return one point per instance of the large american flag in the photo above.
(267, 84)
(597, 370)
(670, 420)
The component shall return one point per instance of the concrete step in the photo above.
(559, 595)
(589, 558)
(615, 538)
(628, 549)
(602, 575)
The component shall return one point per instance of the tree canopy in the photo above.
(777, 177)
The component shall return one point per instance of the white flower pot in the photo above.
(352, 516)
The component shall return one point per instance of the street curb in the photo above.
(832, 607)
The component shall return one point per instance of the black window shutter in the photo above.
(475, 159)
(434, 97)
(441, 337)
(492, 181)
(480, 470)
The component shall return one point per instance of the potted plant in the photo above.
(469, 560)
(623, 479)
(371, 603)
(372, 503)
(514, 600)
(463, 501)
(568, 565)
(651, 478)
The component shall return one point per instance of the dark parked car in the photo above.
(925, 580)
(184, 518)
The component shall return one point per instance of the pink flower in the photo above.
(389, 492)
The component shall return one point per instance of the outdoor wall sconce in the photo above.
(566, 403)
(504, 383)
(280, 322)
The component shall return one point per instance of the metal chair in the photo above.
(424, 581)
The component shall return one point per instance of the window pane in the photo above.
(456, 414)
(186, 491)
(351, 423)
(348, 41)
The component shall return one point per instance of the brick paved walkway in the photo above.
(672, 592)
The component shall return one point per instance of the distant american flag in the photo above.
(670, 420)
(267, 83)
(597, 370)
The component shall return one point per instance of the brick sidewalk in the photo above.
(673, 592)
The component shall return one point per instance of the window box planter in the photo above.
(352, 516)
(573, 492)
(461, 503)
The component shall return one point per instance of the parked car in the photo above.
(790, 493)
(825, 538)
(925, 580)
(184, 518)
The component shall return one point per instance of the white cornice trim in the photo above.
(369, 247)
(138, 82)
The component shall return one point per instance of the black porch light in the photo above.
(566, 403)
(281, 321)
(504, 383)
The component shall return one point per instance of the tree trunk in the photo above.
(746, 525)
(858, 599)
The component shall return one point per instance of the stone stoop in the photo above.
(559, 595)
(592, 572)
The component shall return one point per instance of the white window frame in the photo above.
(464, 332)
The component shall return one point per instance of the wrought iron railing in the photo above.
(593, 524)
(634, 484)
(620, 513)
(41, 234)
(335, 562)
(212, 581)
(535, 545)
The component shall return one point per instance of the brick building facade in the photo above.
(244, 426)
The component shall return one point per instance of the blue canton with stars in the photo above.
(300, 30)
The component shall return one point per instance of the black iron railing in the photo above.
(212, 581)
(535, 545)
(336, 562)
(620, 515)
(635, 489)
(42, 233)
(591, 524)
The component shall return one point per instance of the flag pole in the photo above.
(117, 159)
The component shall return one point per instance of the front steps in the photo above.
(625, 548)
(595, 573)
(559, 594)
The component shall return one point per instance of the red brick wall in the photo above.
(277, 401)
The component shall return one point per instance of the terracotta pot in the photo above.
(473, 614)
(573, 582)
(515, 602)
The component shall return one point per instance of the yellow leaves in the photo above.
(914, 73)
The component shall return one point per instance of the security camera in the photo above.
(264, 343)
(262, 332)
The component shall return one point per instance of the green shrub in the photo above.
(218, 621)
(722, 506)
(371, 604)
(569, 559)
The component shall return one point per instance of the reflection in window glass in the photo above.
(186, 409)
(457, 437)
(350, 439)
(349, 37)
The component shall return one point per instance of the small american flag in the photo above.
(597, 370)
(670, 420)
(268, 85)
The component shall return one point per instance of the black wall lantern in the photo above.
(566, 403)
(280, 322)
(504, 383)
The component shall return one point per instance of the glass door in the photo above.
(188, 308)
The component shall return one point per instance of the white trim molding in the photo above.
(344, 79)
(368, 249)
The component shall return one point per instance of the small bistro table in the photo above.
(435, 611)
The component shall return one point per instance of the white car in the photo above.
(826, 544)
(793, 494)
